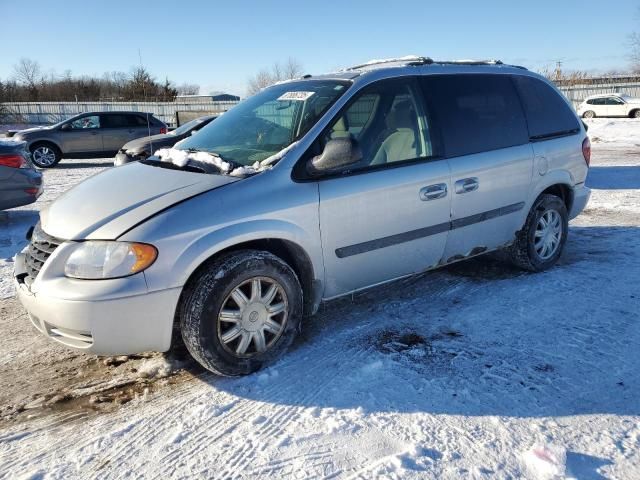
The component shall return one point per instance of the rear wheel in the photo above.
(539, 244)
(241, 312)
(45, 155)
(589, 114)
(635, 114)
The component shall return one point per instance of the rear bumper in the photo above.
(112, 326)
(581, 195)
(22, 188)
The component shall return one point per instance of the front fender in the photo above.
(215, 241)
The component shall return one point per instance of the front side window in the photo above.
(476, 113)
(268, 122)
(90, 121)
(387, 123)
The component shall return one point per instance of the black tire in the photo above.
(49, 147)
(635, 114)
(589, 114)
(523, 252)
(210, 290)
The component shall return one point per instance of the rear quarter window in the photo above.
(476, 113)
(548, 113)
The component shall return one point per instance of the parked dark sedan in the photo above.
(20, 183)
(142, 148)
(93, 134)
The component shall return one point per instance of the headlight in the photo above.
(94, 260)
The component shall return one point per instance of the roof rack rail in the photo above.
(469, 62)
(405, 61)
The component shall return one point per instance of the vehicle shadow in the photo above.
(14, 225)
(614, 178)
(97, 163)
(562, 342)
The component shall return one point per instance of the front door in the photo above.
(82, 135)
(486, 141)
(388, 215)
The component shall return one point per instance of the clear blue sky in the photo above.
(219, 45)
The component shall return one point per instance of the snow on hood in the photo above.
(262, 165)
(182, 157)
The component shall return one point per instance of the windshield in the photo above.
(266, 123)
(187, 126)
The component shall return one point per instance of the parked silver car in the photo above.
(93, 134)
(307, 191)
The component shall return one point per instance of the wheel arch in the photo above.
(633, 111)
(44, 141)
(282, 244)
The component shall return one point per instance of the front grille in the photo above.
(40, 249)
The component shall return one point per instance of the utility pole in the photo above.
(558, 73)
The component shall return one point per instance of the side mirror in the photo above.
(337, 153)
(66, 127)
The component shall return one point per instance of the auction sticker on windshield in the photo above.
(301, 96)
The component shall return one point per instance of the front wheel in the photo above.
(635, 114)
(241, 312)
(589, 114)
(539, 244)
(45, 155)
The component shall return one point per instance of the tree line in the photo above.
(30, 84)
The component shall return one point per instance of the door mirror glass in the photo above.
(337, 154)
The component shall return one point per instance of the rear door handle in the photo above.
(433, 192)
(467, 185)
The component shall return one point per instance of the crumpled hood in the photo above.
(161, 140)
(110, 203)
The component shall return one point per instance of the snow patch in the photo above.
(546, 462)
(155, 368)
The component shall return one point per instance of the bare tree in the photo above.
(27, 72)
(188, 89)
(277, 73)
(634, 41)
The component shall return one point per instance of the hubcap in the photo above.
(252, 317)
(548, 234)
(44, 156)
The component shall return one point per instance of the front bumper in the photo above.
(123, 158)
(581, 195)
(104, 326)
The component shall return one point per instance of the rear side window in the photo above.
(476, 113)
(115, 121)
(548, 114)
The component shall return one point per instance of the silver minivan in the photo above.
(309, 190)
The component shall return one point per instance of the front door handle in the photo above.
(433, 192)
(467, 185)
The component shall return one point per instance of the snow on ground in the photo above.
(617, 131)
(474, 371)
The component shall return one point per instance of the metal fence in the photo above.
(577, 93)
(52, 112)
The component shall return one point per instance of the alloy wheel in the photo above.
(44, 156)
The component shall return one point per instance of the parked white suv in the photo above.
(610, 105)
(309, 190)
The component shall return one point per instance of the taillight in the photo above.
(163, 129)
(586, 150)
(13, 161)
